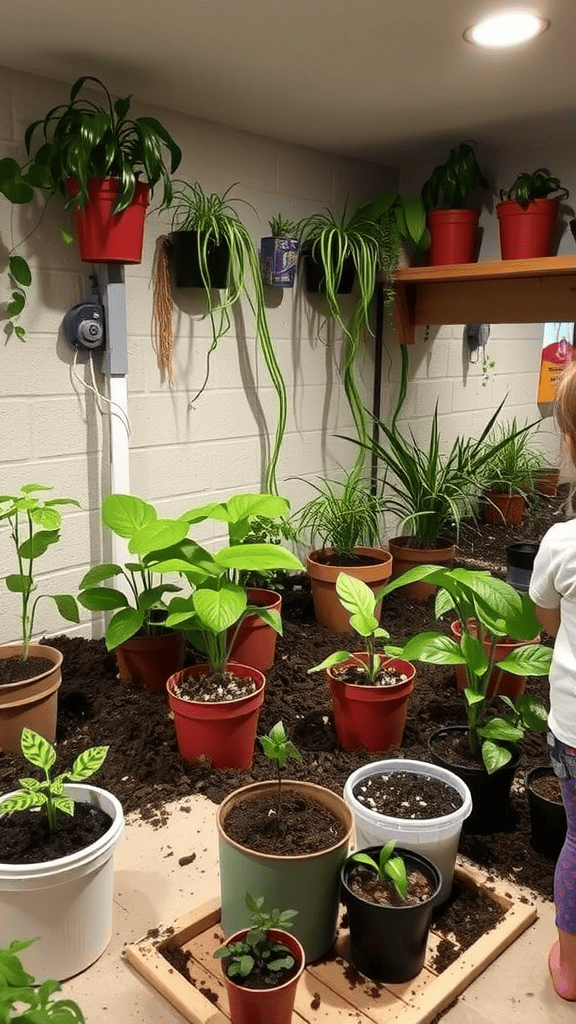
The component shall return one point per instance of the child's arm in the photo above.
(549, 618)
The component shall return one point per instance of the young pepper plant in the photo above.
(358, 599)
(257, 949)
(277, 747)
(387, 866)
(493, 609)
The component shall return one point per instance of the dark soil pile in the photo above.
(143, 768)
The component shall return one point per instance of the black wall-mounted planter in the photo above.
(184, 263)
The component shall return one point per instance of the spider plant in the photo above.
(282, 227)
(510, 469)
(343, 515)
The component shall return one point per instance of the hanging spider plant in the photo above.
(214, 219)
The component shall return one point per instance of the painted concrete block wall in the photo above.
(54, 429)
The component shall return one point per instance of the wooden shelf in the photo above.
(508, 291)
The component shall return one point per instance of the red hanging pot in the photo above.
(255, 643)
(370, 717)
(104, 237)
(223, 732)
(452, 236)
(526, 230)
(265, 1005)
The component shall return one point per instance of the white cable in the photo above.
(121, 413)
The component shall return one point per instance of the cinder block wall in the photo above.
(51, 428)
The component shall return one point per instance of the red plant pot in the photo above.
(452, 236)
(255, 643)
(526, 231)
(151, 660)
(508, 684)
(104, 237)
(269, 1005)
(223, 732)
(503, 508)
(370, 717)
(405, 558)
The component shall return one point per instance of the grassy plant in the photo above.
(509, 468)
(282, 227)
(344, 514)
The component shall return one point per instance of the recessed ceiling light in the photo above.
(509, 28)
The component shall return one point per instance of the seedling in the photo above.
(388, 866)
(257, 950)
(22, 1000)
(357, 597)
(278, 748)
(50, 793)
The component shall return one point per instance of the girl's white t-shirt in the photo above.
(553, 585)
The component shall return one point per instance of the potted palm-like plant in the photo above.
(279, 252)
(527, 214)
(485, 752)
(146, 651)
(370, 691)
(210, 247)
(453, 227)
(104, 163)
(509, 472)
(345, 520)
(30, 674)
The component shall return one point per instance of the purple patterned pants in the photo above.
(563, 760)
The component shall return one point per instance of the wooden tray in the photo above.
(330, 990)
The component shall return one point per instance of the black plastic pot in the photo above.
(547, 817)
(316, 278)
(184, 265)
(389, 943)
(520, 558)
(490, 793)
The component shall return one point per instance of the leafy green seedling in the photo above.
(256, 949)
(22, 1000)
(278, 748)
(50, 793)
(388, 866)
(357, 598)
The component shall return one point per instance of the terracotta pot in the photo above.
(31, 703)
(222, 732)
(151, 660)
(547, 816)
(104, 237)
(389, 943)
(255, 643)
(490, 793)
(308, 883)
(405, 558)
(508, 684)
(503, 508)
(265, 1005)
(327, 607)
(526, 230)
(452, 236)
(370, 717)
(546, 481)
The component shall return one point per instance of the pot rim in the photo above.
(417, 858)
(280, 934)
(260, 680)
(446, 822)
(391, 663)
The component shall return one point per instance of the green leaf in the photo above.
(37, 750)
(533, 712)
(122, 626)
(474, 653)
(16, 305)
(219, 609)
(88, 763)
(494, 757)
(66, 605)
(102, 599)
(38, 544)
(531, 660)
(396, 871)
(155, 536)
(365, 858)
(333, 659)
(18, 269)
(358, 599)
(99, 573)
(18, 584)
(46, 517)
(433, 649)
(125, 514)
(21, 802)
(501, 729)
(64, 803)
(258, 557)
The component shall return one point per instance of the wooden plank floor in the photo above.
(330, 990)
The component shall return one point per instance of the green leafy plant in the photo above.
(34, 527)
(137, 522)
(215, 220)
(277, 747)
(431, 491)
(344, 514)
(538, 185)
(493, 609)
(455, 179)
(49, 794)
(357, 597)
(386, 867)
(330, 240)
(82, 139)
(258, 950)
(217, 601)
(510, 468)
(282, 227)
(23, 1000)
(397, 220)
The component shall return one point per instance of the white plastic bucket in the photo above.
(436, 838)
(65, 903)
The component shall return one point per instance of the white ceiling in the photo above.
(369, 78)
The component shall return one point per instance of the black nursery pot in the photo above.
(184, 264)
(547, 817)
(315, 277)
(389, 943)
(520, 557)
(490, 793)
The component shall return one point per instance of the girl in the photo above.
(553, 590)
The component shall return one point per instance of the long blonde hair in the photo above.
(565, 408)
